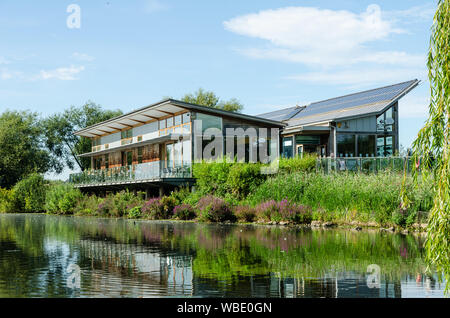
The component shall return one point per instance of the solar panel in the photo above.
(358, 99)
(282, 114)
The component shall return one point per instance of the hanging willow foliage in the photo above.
(432, 146)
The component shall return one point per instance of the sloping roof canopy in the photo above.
(159, 110)
(374, 101)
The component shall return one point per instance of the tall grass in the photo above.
(344, 196)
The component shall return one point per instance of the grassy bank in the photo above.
(233, 192)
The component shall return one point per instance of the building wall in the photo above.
(363, 124)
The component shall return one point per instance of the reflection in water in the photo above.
(125, 258)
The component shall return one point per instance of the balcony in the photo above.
(145, 172)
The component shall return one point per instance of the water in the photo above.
(39, 255)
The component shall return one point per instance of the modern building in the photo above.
(153, 148)
(363, 124)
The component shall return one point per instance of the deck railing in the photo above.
(365, 164)
(146, 171)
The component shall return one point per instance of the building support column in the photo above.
(161, 191)
(333, 152)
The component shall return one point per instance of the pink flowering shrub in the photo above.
(284, 211)
(214, 209)
(159, 208)
(245, 213)
(184, 212)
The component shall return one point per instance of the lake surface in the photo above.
(56, 256)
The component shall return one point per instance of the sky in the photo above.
(267, 54)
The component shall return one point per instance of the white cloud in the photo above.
(82, 57)
(62, 73)
(6, 74)
(154, 6)
(316, 36)
(412, 15)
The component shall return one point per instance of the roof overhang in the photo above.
(318, 128)
(157, 111)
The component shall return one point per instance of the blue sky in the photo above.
(268, 54)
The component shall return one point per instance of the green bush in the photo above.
(211, 177)
(244, 178)
(180, 195)
(135, 212)
(29, 194)
(307, 163)
(88, 205)
(62, 199)
(6, 201)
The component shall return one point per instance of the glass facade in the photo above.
(288, 147)
(366, 145)
(386, 121)
(209, 121)
(346, 145)
(385, 146)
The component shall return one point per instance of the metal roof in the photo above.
(372, 101)
(159, 110)
(282, 114)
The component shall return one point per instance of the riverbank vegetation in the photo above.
(238, 192)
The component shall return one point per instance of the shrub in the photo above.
(106, 207)
(29, 194)
(307, 163)
(211, 177)
(243, 178)
(6, 201)
(123, 201)
(284, 211)
(184, 212)
(245, 213)
(159, 209)
(214, 209)
(180, 195)
(62, 198)
(88, 205)
(135, 212)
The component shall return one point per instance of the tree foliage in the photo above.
(209, 99)
(432, 146)
(22, 150)
(64, 146)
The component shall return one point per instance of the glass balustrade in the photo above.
(146, 171)
(364, 164)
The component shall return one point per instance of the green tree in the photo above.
(209, 99)
(59, 131)
(21, 147)
(432, 146)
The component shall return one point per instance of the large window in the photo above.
(288, 147)
(209, 121)
(386, 121)
(346, 145)
(385, 146)
(366, 145)
(125, 134)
